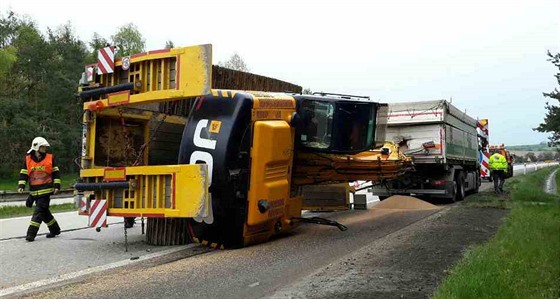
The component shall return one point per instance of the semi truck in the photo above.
(442, 142)
(223, 167)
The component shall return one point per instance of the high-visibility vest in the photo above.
(497, 162)
(40, 173)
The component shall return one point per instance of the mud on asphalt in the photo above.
(409, 263)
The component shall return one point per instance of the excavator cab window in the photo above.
(317, 124)
(355, 124)
(337, 126)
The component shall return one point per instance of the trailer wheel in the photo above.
(477, 182)
(460, 186)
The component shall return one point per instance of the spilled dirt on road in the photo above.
(409, 263)
(401, 202)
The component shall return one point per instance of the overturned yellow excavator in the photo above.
(219, 166)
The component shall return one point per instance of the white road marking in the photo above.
(68, 276)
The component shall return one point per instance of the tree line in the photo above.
(39, 75)
(537, 157)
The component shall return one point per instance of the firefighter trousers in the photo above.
(42, 214)
(499, 177)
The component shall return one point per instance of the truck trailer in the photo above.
(442, 142)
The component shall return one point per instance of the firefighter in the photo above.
(498, 168)
(40, 170)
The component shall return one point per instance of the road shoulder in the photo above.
(409, 263)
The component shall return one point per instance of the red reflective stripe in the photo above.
(95, 204)
(100, 214)
(159, 51)
(138, 55)
(102, 68)
(108, 60)
(415, 114)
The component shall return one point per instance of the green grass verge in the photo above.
(10, 184)
(488, 199)
(521, 260)
(16, 211)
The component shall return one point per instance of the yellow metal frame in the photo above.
(157, 191)
(192, 67)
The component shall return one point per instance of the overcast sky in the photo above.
(489, 57)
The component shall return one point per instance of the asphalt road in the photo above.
(251, 272)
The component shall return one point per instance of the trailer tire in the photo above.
(477, 183)
(477, 187)
(460, 185)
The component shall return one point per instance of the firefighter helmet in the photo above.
(37, 143)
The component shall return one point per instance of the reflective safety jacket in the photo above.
(42, 174)
(498, 162)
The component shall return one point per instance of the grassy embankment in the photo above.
(522, 259)
(16, 211)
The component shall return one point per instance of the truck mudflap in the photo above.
(179, 191)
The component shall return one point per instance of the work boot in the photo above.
(32, 231)
(53, 233)
(54, 229)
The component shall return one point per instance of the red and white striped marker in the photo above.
(105, 60)
(98, 213)
(83, 205)
(89, 72)
(484, 171)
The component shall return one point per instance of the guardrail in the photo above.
(8, 196)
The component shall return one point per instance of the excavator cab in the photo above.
(336, 124)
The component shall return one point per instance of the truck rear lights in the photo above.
(438, 183)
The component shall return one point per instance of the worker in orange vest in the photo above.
(40, 170)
